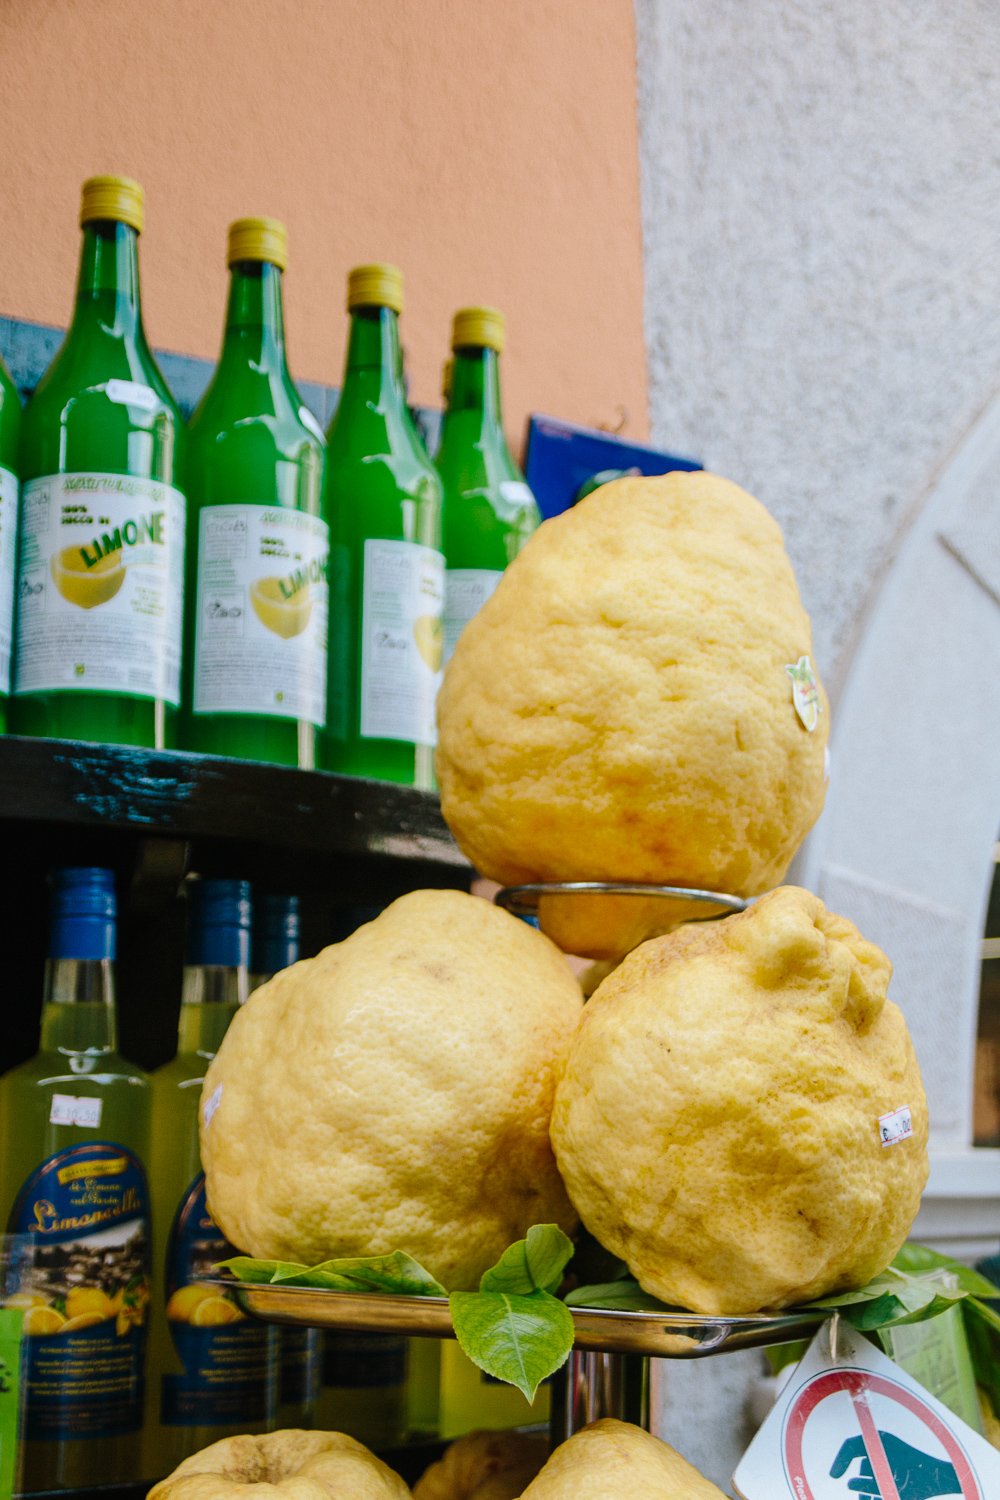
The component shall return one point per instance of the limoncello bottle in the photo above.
(256, 609)
(10, 431)
(276, 947)
(386, 568)
(101, 571)
(74, 1139)
(212, 1371)
(489, 512)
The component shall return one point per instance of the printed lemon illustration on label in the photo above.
(202, 1307)
(42, 1320)
(429, 635)
(283, 610)
(85, 583)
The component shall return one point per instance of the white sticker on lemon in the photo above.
(401, 641)
(211, 1104)
(100, 586)
(260, 635)
(895, 1126)
(805, 692)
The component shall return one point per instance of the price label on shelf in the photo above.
(851, 1425)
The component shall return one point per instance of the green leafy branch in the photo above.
(513, 1327)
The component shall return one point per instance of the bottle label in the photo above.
(86, 1290)
(367, 1360)
(100, 586)
(466, 590)
(228, 1372)
(8, 557)
(401, 641)
(260, 637)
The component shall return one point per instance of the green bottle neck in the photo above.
(374, 357)
(78, 1011)
(107, 289)
(475, 386)
(210, 997)
(255, 320)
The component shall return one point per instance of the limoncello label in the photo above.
(228, 1376)
(260, 636)
(466, 590)
(401, 641)
(100, 586)
(368, 1361)
(85, 1292)
(8, 559)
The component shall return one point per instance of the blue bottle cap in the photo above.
(219, 923)
(275, 933)
(83, 913)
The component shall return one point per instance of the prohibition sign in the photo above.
(858, 1383)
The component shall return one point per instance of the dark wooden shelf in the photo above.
(188, 796)
(346, 845)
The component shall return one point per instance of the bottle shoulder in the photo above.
(56, 1069)
(184, 1071)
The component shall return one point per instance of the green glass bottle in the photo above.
(489, 511)
(212, 1371)
(74, 1140)
(383, 498)
(256, 607)
(101, 572)
(10, 431)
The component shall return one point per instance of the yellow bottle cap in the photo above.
(375, 286)
(258, 239)
(479, 327)
(116, 198)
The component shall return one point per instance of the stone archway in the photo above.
(905, 846)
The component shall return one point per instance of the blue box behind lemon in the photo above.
(562, 457)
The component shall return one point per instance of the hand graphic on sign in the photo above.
(916, 1475)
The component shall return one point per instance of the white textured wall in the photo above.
(821, 186)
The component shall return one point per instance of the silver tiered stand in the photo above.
(607, 1372)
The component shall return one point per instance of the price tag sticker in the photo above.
(131, 393)
(897, 1126)
(851, 1425)
(66, 1109)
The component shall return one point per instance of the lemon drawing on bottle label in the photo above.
(283, 605)
(429, 636)
(260, 641)
(100, 586)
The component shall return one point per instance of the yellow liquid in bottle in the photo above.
(204, 1323)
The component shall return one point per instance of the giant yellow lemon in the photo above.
(85, 586)
(394, 1093)
(307, 1465)
(621, 707)
(718, 1120)
(287, 615)
(612, 1460)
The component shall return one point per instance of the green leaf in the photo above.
(618, 1296)
(245, 1268)
(397, 1273)
(517, 1338)
(916, 1259)
(532, 1264)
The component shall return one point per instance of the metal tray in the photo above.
(523, 899)
(668, 1335)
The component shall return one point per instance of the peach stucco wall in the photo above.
(486, 146)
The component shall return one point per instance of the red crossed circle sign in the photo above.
(858, 1384)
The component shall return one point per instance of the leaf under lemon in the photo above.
(519, 1338)
(396, 1273)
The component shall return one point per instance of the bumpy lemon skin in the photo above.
(717, 1120)
(289, 1463)
(394, 1093)
(619, 708)
(611, 1460)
